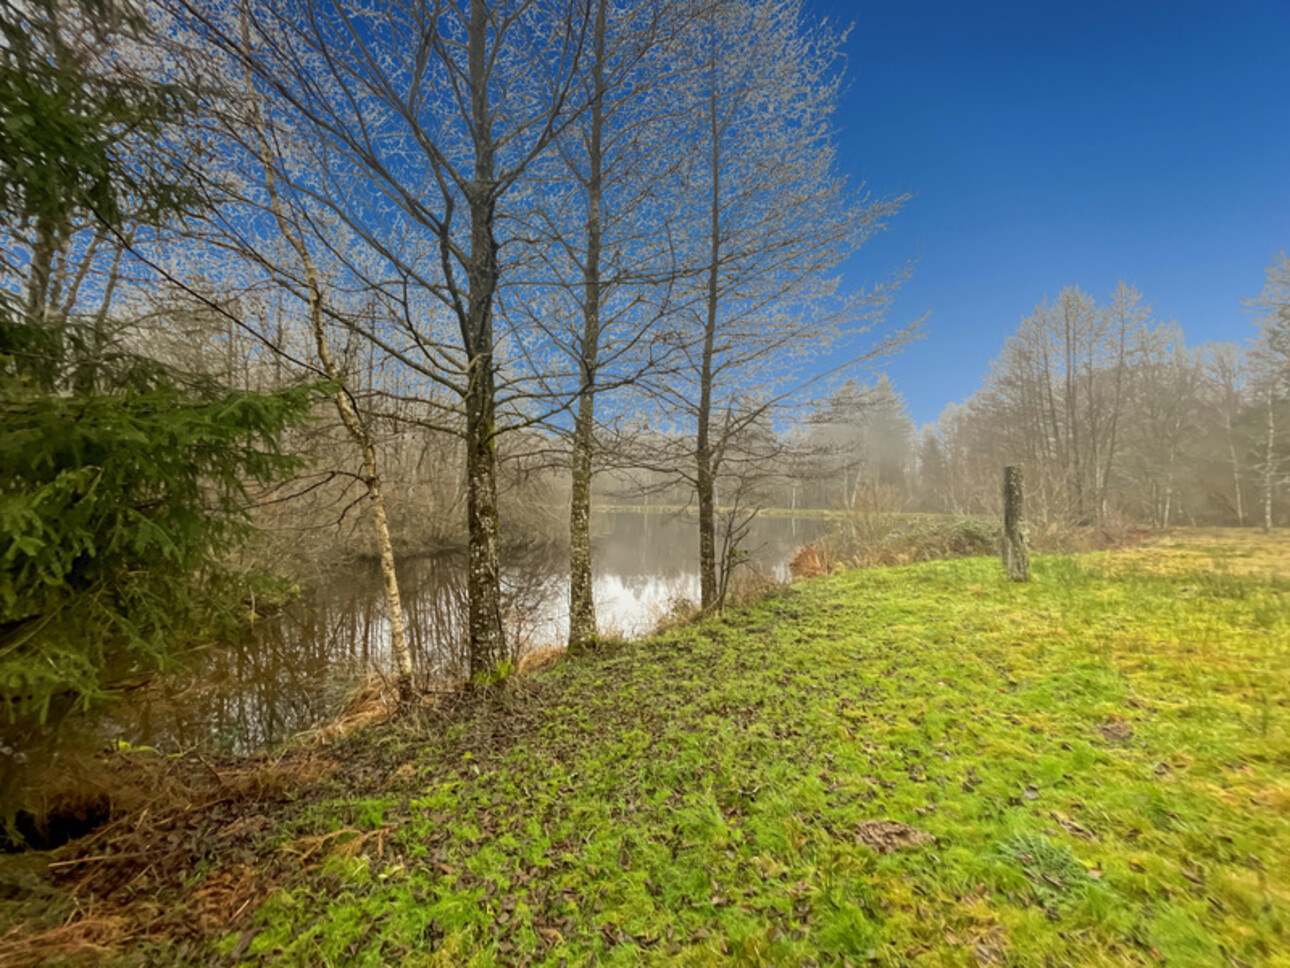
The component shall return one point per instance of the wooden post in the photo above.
(1015, 559)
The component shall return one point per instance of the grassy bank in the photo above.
(1088, 770)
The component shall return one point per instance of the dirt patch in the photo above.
(133, 877)
(889, 836)
(153, 822)
(1117, 731)
(55, 824)
(131, 880)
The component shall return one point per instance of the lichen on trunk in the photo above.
(1016, 560)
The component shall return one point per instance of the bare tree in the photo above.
(1056, 398)
(860, 438)
(604, 259)
(772, 222)
(1270, 464)
(294, 234)
(1106, 373)
(1273, 307)
(1227, 375)
(422, 119)
(1165, 397)
(1271, 359)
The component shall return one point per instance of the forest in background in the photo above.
(1110, 411)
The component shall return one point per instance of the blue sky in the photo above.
(1057, 143)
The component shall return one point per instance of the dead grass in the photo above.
(807, 562)
(877, 539)
(374, 700)
(536, 660)
(887, 836)
(1183, 551)
(83, 938)
(171, 820)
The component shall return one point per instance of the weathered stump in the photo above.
(1016, 561)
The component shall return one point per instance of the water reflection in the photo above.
(295, 669)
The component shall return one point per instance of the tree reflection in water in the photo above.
(295, 669)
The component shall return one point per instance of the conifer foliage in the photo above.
(122, 480)
(115, 509)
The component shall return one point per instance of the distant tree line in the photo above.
(1113, 415)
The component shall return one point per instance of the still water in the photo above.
(295, 669)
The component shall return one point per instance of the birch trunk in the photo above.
(1071, 335)
(1269, 474)
(1236, 474)
(349, 416)
(40, 271)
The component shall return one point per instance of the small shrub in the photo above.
(873, 540)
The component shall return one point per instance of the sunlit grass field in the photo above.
(1090, 769)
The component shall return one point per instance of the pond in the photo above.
(295, 669)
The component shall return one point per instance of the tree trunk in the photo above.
(1236, 474)
(40, 271)
(704, 485)
(1116, 406)
(399, 649)
(705, 476)
(1269, 473)
(89, 374)
(582, 604)
(487, 638)
(1072, 415)
(484, 623)
(1093, 411)
(358, 430)
(1016, 560)
(349, 415)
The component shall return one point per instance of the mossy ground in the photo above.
(1102, 757)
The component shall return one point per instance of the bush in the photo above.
(870, 541)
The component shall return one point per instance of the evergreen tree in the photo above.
(122, 481)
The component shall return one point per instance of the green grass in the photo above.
(1102, 757)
